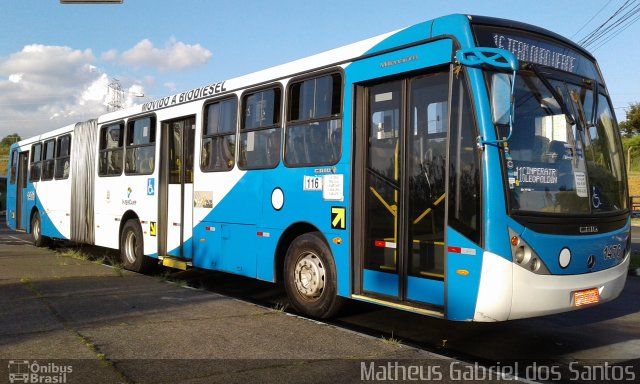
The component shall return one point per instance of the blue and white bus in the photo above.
(467, 168)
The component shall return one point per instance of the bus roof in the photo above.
(46, 135)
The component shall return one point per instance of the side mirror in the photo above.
(501, 98)
(502, 86)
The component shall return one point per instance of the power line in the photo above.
(622, 29)
(585, 40)
(626, 15)
(593, 17)
(620, 24)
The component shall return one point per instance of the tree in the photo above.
(5, 144)
(10, 139)
(632, 124)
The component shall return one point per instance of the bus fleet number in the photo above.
(312, 183)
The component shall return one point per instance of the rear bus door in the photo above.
(22, 217)
(175, 230)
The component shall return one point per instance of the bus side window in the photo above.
(48, 159)
(36, 160)
(314, 122)
(63, 157)
(110, 157)
(14, 166)
(219, 136)
(140, 153)
(260, 130)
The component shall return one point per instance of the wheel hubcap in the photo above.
(36, 229)
(130, 247)
(309, 276)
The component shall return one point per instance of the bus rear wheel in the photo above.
(310, 277)
(36, 231)
(132, 248)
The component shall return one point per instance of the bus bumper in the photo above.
(510, 292)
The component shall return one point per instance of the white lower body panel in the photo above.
(509, 292)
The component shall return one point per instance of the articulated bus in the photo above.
(466, 168)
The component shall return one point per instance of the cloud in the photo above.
(16, 77)
(171, 86)
(95, 92)
(175, 56)
(110, 55)
(46, 87)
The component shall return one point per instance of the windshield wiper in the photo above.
(554, 93)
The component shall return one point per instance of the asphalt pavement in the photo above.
(103, 324)
(73, 320)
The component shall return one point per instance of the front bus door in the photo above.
(402, 125)
(176, 183)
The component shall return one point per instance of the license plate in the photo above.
(587, 296)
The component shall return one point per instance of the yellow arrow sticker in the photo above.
(338, 218)
(152, 228)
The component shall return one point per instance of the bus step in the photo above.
(405, 307)
(176, 263)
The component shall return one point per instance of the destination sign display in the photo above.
(536, 49)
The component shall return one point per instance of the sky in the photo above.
(56, 61)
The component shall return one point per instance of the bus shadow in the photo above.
(584, 333)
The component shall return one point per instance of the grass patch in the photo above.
(92, 347)
(74, 254)
(117, 269)
(635, 260)
(33, 286)
(164, 276)
(280, 307)
(180, 283)
(634, 183)
(107, 258)
(100, 260)
(167, 276)
(391, 340)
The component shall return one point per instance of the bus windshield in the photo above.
(563, 164)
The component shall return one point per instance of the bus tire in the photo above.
(132, 248)
(36, 231)
(310, 277)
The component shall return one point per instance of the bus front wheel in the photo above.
(36, 231)
(310, 277)
(132, 248)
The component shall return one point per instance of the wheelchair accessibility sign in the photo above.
(151, 187)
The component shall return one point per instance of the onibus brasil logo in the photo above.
(24, 371)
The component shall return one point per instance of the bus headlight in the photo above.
(564, 258)
(535, 264)
(522, 255)
(525, 257)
